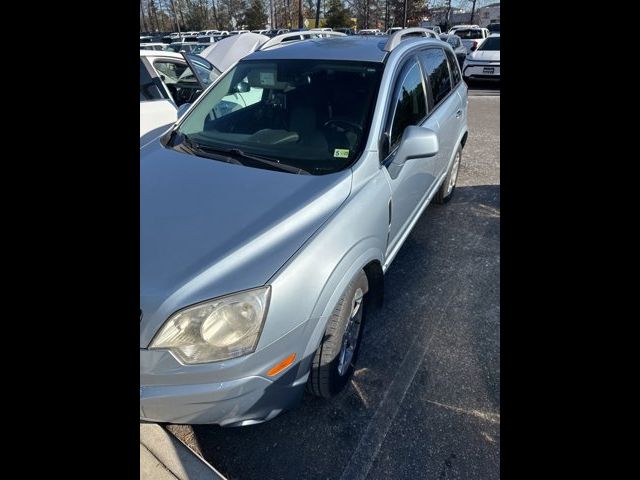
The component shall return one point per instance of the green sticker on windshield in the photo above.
(341, 153)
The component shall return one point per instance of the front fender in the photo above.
(309, 286)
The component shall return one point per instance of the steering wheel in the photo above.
(341, 122)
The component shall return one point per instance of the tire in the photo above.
(445, 193)
(331, 368)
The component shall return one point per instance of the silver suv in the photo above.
(270, 212)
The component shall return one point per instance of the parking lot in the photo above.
(425, 399)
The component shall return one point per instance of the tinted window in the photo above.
(454, 67)
(148, 89)
(410, 102)
(491, 43)
(437, 71)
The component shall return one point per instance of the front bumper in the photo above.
(231, 392)
(238, 402)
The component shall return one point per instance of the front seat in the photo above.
(302, 120)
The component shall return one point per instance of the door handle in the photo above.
(458, 113)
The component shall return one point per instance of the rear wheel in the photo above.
(334, 361)
(449, 185)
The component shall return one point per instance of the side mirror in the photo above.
(416, 142)
(183, 108)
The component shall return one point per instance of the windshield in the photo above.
(312, 115)
(491, 43)
(469, 34)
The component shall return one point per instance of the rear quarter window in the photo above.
(454, 66)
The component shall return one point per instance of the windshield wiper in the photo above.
(237, 153)
(232, 155)
(189, 146)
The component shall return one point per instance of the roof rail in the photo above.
(399, 35)
(292, 36)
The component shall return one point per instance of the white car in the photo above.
(472, 37)
(484, 63)
(168, 81)
(370, 31)
(236, 32)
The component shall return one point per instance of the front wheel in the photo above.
(334, 361)
(449, 185)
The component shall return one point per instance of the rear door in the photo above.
(157, 109)
(444, 102)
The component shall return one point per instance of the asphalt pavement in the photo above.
(425, 399)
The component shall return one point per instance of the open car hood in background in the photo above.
(224, 53)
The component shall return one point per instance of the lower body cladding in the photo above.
(235, 392)
(482, 72)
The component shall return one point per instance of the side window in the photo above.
(170, 71)
(437, 71)
(455, 68)
(410, 104)
(179, 79)
(148, 89)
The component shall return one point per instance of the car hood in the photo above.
(209, 228)
(224, 53)
(485, 56)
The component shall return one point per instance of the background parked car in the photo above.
(152, 46)
(170, 79)
(370, 31)
(472, 37)
(458, 48)
(275, 32)
(493, 28)
(346, 31)
(484, 63)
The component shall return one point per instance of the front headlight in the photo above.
(215, 330)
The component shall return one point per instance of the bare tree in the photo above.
(473, 11)
(145, 28)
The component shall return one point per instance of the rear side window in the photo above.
(410, 105)
(437, 71)
(148, 88)
(454, 67)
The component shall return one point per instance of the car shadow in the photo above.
(440, 289)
